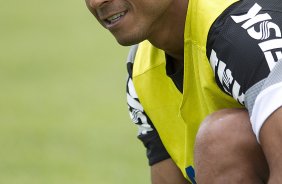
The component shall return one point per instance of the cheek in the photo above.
(132, 36)
(135, 28)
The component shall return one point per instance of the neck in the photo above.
(169, 35)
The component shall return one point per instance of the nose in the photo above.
(97, 3)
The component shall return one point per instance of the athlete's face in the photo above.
(130, 21)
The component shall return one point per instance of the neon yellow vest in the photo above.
(176, 116)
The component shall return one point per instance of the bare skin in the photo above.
(271, 139)
(226, 150)
(132, 21)
(155, 21)
(166, 172)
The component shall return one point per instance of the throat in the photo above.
(175, 70)
(173, 64)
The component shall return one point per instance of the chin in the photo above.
(128, 41)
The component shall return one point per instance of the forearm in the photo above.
(166, 172)
(271, 138)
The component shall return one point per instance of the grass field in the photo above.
(63, 112)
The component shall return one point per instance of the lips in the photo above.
(111, 20)
(115, 17)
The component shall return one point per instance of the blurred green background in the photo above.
(63, 112)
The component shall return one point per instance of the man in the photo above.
(212, 62)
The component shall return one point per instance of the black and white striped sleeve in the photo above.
(147, 133)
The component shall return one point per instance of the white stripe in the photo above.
(133, 103)
(213, 59)
(131, 89)
(220, 71)
(256, 19)
(265, 104)
(251, 13)
(271, 44)
(270, 60)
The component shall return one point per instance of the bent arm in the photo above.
(166, 172)
(163, 169)
(271, 138)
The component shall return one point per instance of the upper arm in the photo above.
(147, 133)
(244, 48)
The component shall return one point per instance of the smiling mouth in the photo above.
(114, 18)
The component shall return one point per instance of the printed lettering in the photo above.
(256, 19)
(226, 78)
(252, 17)
(251, 13)
(136, 110)
(235, 92)
(270, 59)
(221, 68)
(271, 44)
(213, 59)
(264, 31)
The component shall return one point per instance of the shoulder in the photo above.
(132, 53)
(244, 43)
(131, 58)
